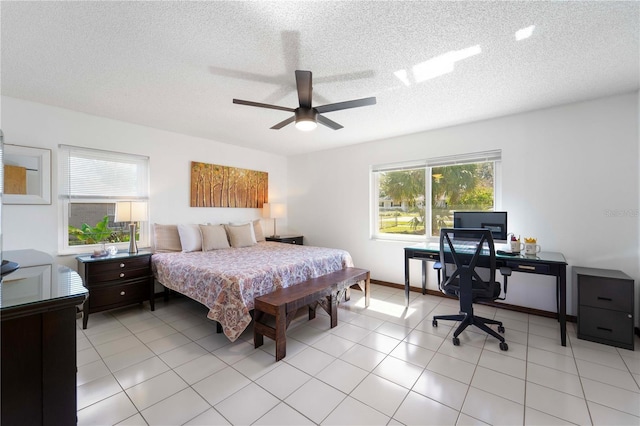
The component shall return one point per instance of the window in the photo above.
(91, 182)
(400, 210)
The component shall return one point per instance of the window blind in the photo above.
(474, 157)
(96, 174)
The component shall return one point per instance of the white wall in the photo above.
(563, 169)
(42, 126)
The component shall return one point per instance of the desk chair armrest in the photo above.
(505, 272)
(438, 267)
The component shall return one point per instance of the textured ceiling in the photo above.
(178, 65)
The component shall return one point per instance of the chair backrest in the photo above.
(462, 250)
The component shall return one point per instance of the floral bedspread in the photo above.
(226, 281)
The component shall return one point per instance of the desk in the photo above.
(544, 263)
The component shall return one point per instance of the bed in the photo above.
(227, 280)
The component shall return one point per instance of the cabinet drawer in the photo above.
(606, 293)
(530, 267)
(606, 326)
(118, 270)
(121, 294)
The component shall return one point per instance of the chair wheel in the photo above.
(504, 346)
(456, 341)
(501, 329)
(434, 323)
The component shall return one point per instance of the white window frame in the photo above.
(68, 197)
(428, 164)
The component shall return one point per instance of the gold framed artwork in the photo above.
(213, 185)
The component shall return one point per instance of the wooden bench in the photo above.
(283, 303)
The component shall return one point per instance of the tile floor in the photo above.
(379, 366)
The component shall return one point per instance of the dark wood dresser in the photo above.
(115, 281)
(38, 318)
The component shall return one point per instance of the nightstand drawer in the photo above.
(606, 293)
(101, 297)
(118, 269)
(287, 239)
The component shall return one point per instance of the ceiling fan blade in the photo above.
(259, 105)
(345, 105)
(329, 123)
(303, 82)
(283, 123)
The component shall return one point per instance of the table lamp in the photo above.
(132, 212)
(274, 211)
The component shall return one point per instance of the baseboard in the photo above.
(515, 308)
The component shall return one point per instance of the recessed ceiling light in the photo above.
(525, 32)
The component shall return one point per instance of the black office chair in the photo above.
(462, 250)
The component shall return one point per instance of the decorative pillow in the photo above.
(241, 235)
(257, 230)
(190, 237)
(214, 237)
(166, 238)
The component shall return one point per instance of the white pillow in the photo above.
(257, 230)
(190, 237)
(214, 237)
(241, 235)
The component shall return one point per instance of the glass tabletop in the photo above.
(543, 256)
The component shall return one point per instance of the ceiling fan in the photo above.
(305, 116)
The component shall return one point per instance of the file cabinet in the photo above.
(605, 306)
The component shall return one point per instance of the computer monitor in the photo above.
(495, 221)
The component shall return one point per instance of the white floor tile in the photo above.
(138, 373)
(156, 389)
(283, 380)
(500, 384)
(554, 379)
(247, 405)
(176, 409)
(210, 418)
(310, 360)
(602, 415)
(353, 412)
(442, 389)
(109, 411)
(398, 371)
(492, 409)
(453, 368)
(96, 390)
(200, 368)
(210, 388)
(363, 357)
(558, 404)
(417, 409)
(361, 367)
(380, 393)
(315, 400)
(611, 396)
(283, 415)
(342, 375)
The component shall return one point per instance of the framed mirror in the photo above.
(27, 175)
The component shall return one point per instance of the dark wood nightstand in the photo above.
(114, 281)
(289, 239)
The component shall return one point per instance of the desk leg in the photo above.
(406, 278)
(562, 312)
(424, 277)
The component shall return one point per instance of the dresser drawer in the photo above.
(606, 293)
(605, 326)
(102, 297)
(119, 269)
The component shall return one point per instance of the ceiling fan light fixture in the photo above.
(306, 119)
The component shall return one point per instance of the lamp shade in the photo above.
(131, 211)
(274, 210)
